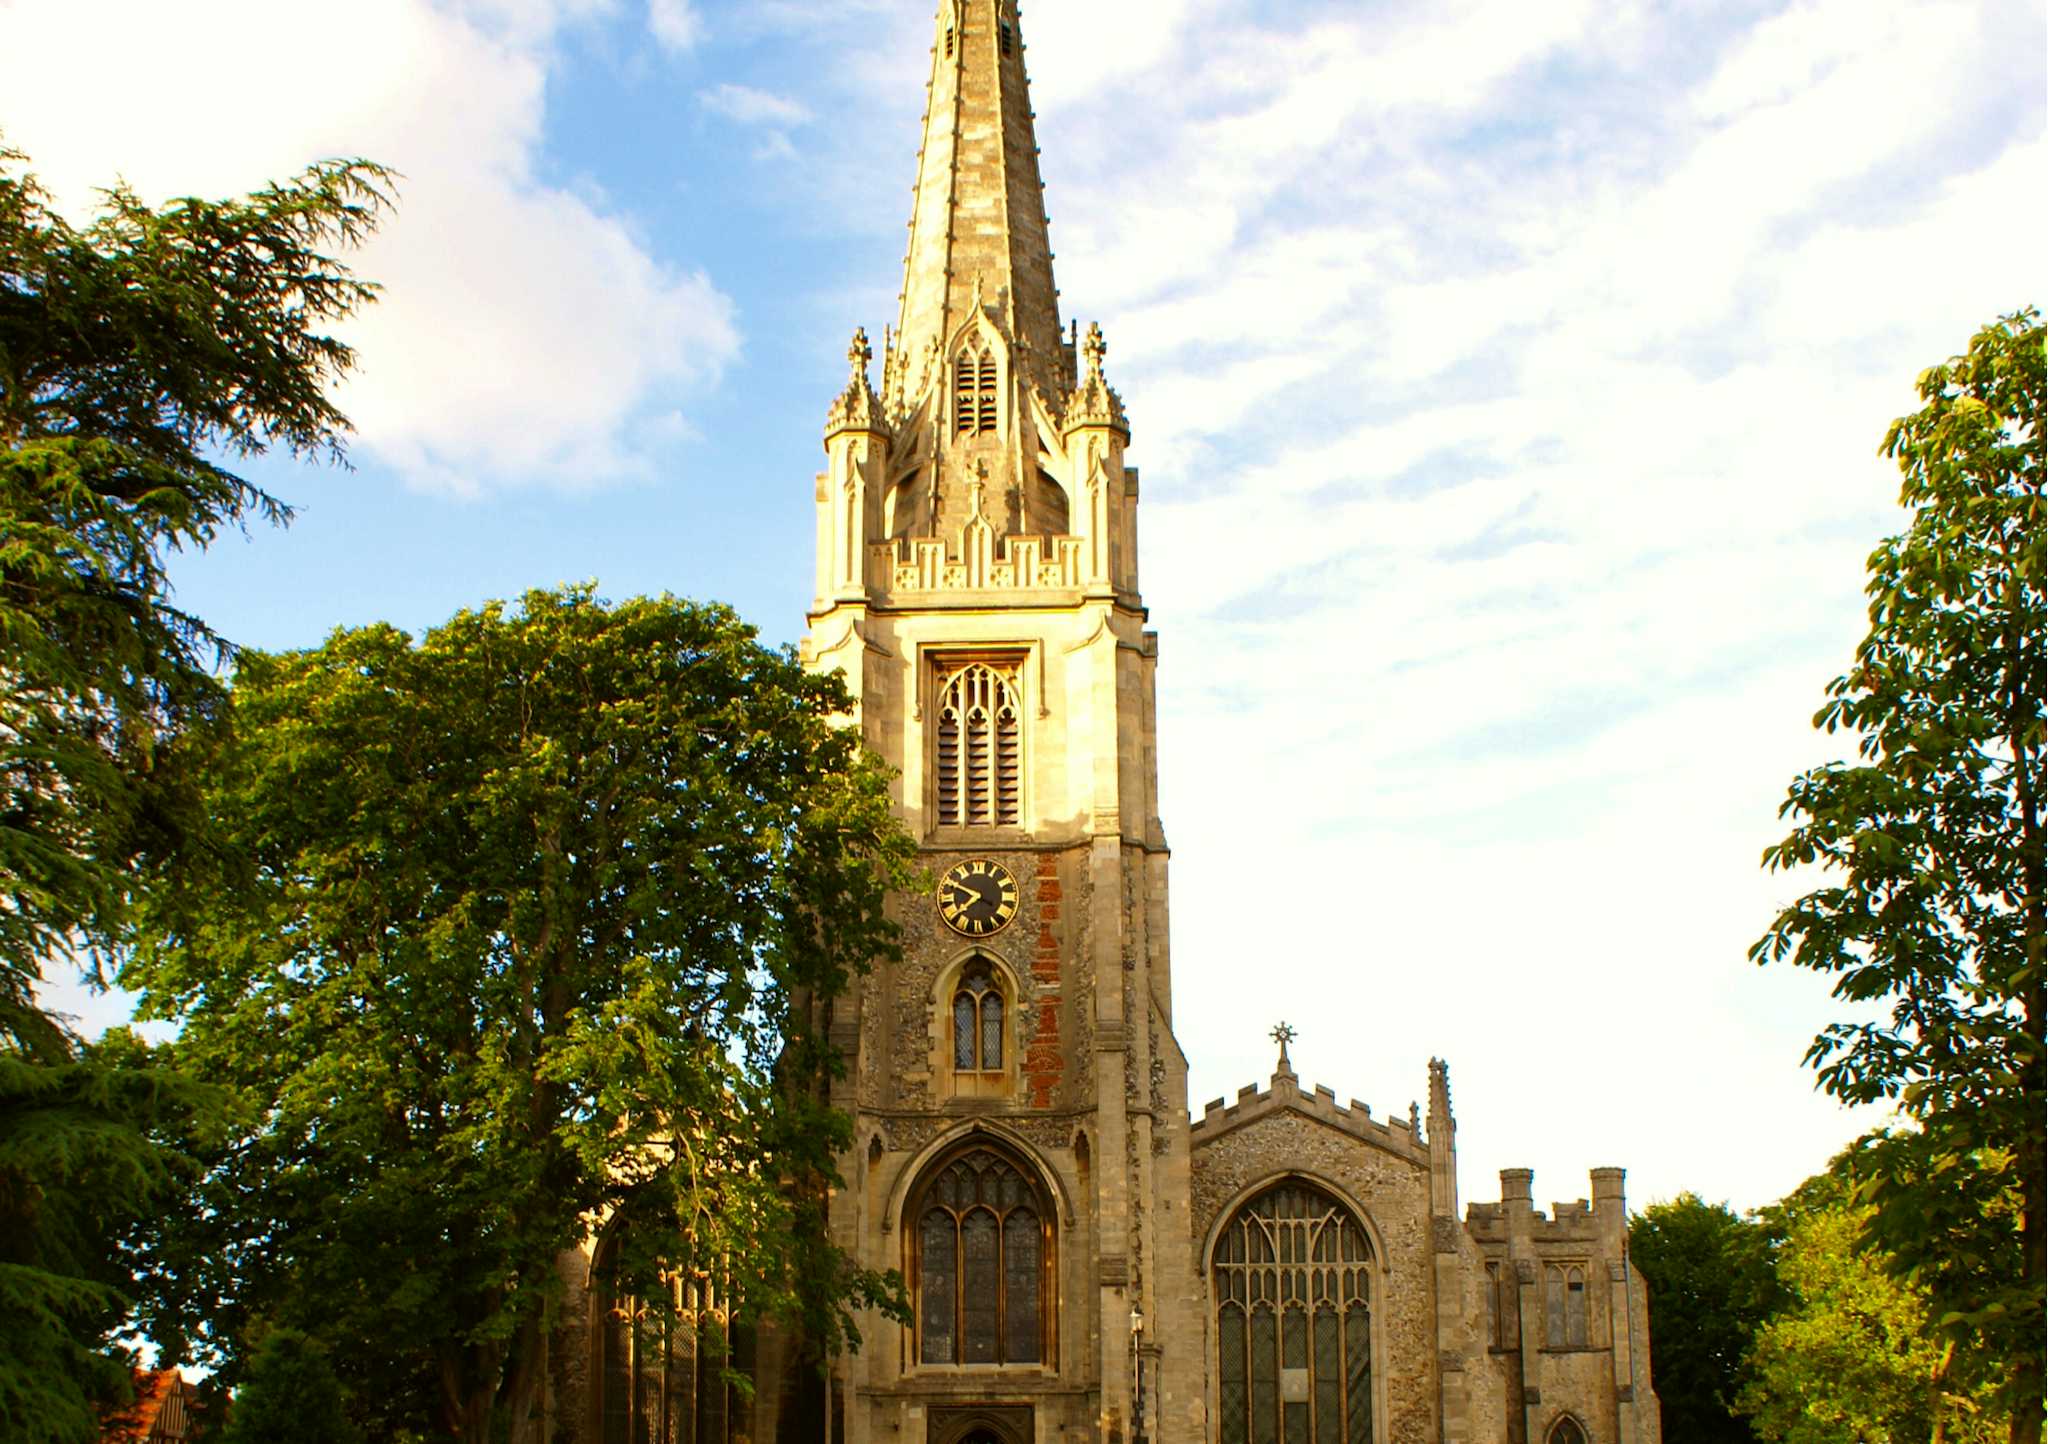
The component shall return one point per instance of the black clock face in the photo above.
(977, 897)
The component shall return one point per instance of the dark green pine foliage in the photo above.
(1711, 1283)
(140, 355)
(1930, 848)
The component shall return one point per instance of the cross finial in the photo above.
(860, 353)
(1283, 1035)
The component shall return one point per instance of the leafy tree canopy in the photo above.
(513, 929)
(139, 355)
(1932, 848)
(1712, 1281)
(1852, 1357)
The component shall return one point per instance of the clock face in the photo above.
(977, 897)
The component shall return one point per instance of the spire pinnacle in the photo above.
(978, 227)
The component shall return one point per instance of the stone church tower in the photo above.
(1086, 1264)
(1017, 1093)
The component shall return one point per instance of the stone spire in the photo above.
(979, 223)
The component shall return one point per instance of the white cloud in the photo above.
(1508, 412)
(525, 335)
(748, 106)
(675, 23)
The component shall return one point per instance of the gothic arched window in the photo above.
(1293, 1289)
(978, 1021)
(978, 756)
(983, 1263)
(974, 390)
(1565, 1307)
(1566, 1431)
(662, 1372)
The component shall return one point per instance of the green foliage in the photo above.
(1853, 1358)
(134, 352)
(520, 926)
(290, 1396)
(1712, 1281)
(1933, 849)
(76, 1163)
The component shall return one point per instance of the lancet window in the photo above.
(663, 1365)
(983, 1263)
(978, 748)
(1293, 1288)
(1565, 1307)
(978, 1012)
(974, 390)
(1502, 1314)
(1567, 1431)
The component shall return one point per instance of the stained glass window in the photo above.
(661, 1366)
(1292, 1280)
(978, 1021)
(983, 1255)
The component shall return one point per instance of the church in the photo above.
(1088, 1261)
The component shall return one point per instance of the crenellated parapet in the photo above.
(1401, 1136)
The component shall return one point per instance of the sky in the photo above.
(1507, 378)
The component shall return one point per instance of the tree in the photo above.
(1853, 1357)
(518, 928)
(290, 1397)
(138, 355)
(1933, 846)
(1712, 1281)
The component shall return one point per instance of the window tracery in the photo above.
(1567, 1430)
(1293, 1289)
(983, 1261)
(977, 758)
(662, 1366)
(1565, 1307)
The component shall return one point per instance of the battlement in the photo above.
(1400, 1136)
(1572, 1221)
(921, 564)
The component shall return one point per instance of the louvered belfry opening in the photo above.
(978, 748)
(1293, 1289)
(974, 391)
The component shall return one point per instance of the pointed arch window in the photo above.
(977, 756)
(1566, 1430)
(974, 390)
(1565, 1307)
(978, 1027)
(983, 1260)
(662, 1372)
(1293, 1291)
